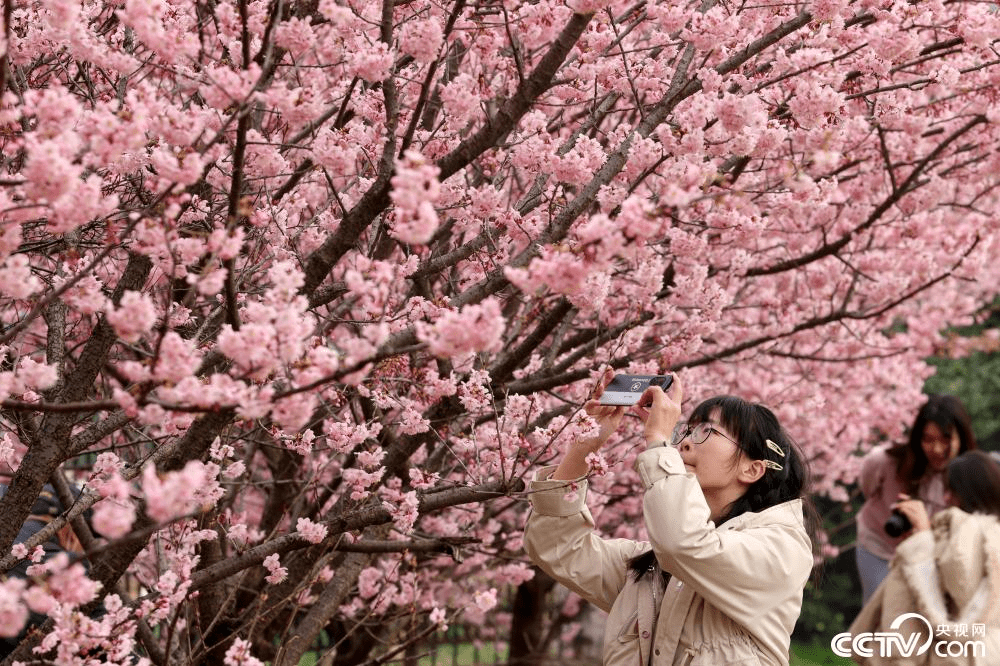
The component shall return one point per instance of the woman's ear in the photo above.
(751, 470)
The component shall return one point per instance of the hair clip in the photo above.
(774, 447)
(773, 465)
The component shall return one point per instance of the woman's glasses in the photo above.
(697, 433)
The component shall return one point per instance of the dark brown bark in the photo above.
(527, 631)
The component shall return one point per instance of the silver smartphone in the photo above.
(627, 389)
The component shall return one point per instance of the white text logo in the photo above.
(889, 644)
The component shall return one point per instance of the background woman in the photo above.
(941, 431)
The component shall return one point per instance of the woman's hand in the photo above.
(574, 464)
(608, 417)
(660, 411)
(915, 511)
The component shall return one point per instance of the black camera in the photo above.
(898, 524)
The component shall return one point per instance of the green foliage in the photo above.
(829, 608)
(815, 654)
(833, 598)
(975, 379)
(464, 654)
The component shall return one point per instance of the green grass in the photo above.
(465, 655)
(816, 655)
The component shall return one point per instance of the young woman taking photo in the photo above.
(720, 580)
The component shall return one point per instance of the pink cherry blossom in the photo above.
(415, 188)
(439, 617)
(310, 531)
(369, 582)
(16, 280)
(473, 328)
(13, 613)
(276, 572)
(421, 39)
(134, 316)
(239, 654)
(403, 508)
(340, 267)
(486, 599)
(113, 517)
(175, 494)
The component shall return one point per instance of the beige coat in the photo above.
(950, 575)
(735, 591)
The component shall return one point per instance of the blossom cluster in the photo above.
(296, 296)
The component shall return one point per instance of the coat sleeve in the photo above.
(918, 556)
(743, 573)
(559, 537)
(915, 557)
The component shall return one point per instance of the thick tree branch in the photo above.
(520, 102)
(376, 198)
(506, 362)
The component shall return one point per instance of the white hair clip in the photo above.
(774, 447)
(773, 465)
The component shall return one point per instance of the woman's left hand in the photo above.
(660, 411)
(915, 511)
(608, 417)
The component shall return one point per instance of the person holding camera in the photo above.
(947, 569)
(721, 579)
(941, 430)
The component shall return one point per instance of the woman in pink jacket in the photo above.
(720, 580)
(941, 431)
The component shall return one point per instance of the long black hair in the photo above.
(752, 425)
(946, 412)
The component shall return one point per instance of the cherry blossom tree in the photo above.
(297, 293)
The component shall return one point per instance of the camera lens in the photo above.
(897, 525)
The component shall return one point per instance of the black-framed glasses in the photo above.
(697, 433)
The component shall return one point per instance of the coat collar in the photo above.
(787, 513)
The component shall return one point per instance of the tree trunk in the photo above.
(528, 623)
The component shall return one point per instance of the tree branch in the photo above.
(898, 193)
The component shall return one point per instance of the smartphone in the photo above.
(627, 389)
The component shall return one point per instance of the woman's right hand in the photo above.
(915, 511)
(574, 464)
